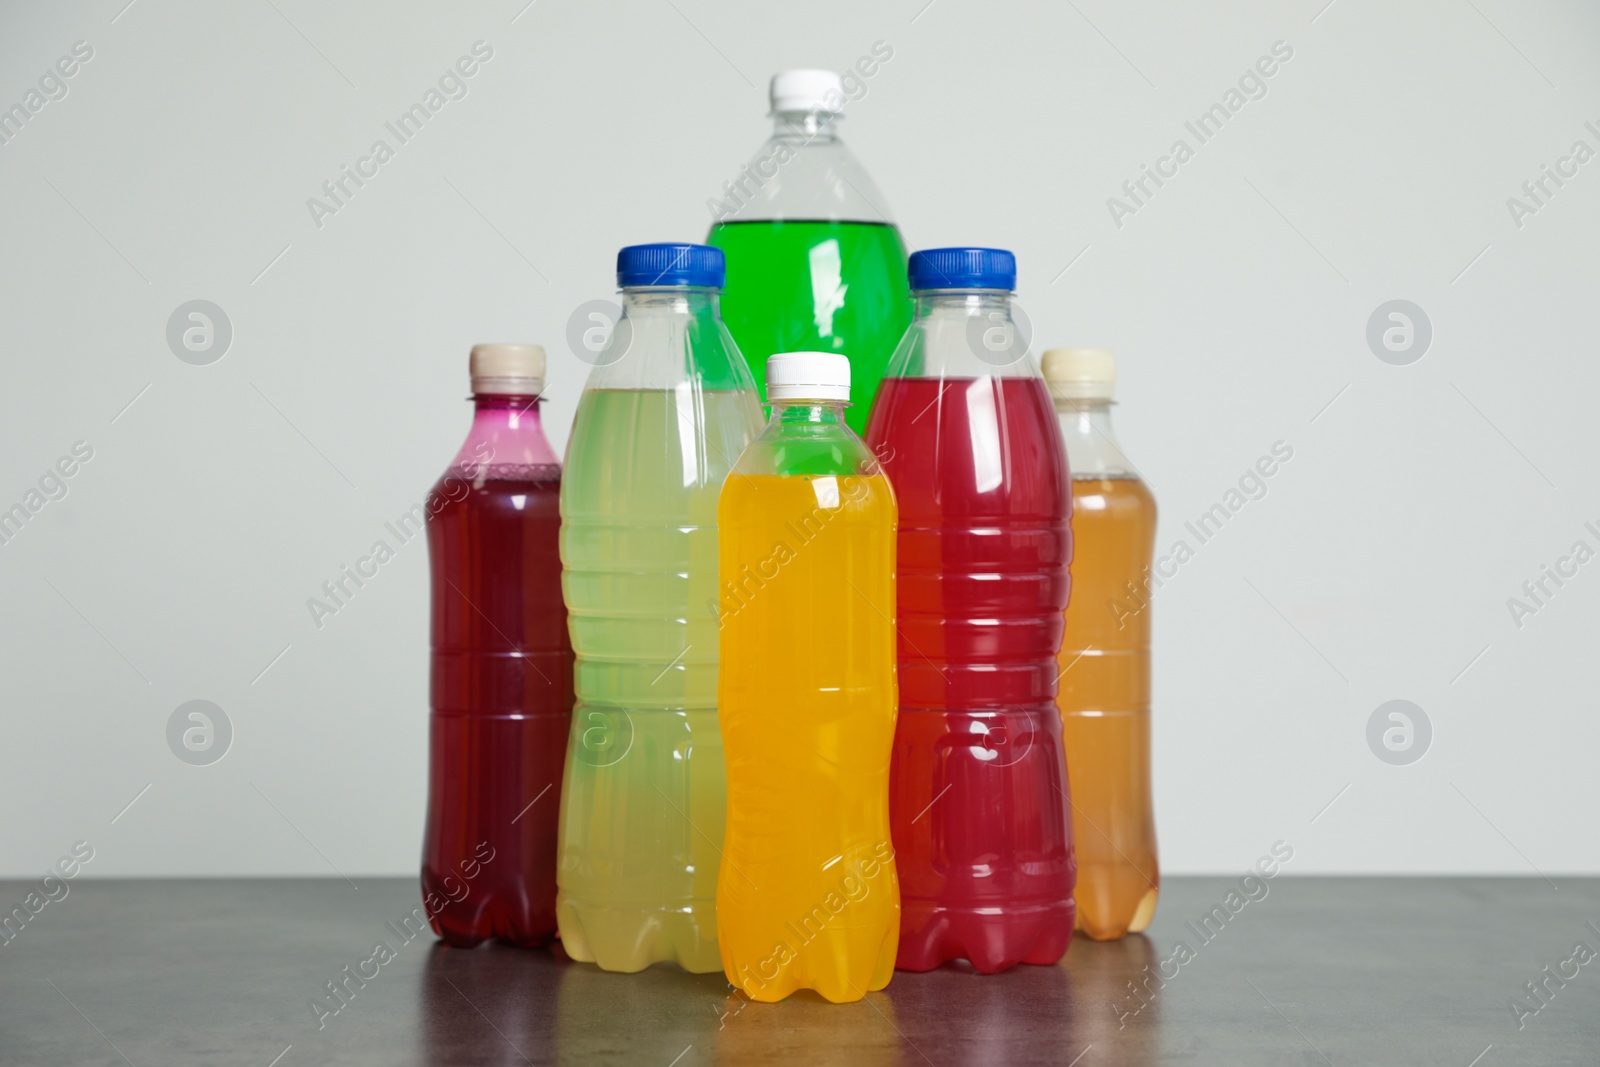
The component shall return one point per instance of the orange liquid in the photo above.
(808, 896)
(1105, 705)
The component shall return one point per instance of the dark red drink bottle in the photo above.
(502, 667)
(978, 804)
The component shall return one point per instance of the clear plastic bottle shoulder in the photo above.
(804, 172)
(807, 447)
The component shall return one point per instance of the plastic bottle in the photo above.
(666, 411)
(1105, 655)
(965, 429)
(814, 261)
(808, 897)
(502, 666)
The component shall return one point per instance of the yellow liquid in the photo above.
(1105, 706)
(807, 896)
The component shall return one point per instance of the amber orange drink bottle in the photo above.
(1105, 656)
(808, 896)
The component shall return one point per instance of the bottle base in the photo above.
(627, 939)
(991, 939)
(1111, 924)
(473, 937)
(831, 965)
(503, 912)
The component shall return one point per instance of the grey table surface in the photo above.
(1334, 971)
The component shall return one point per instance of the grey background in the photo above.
(1377, 567)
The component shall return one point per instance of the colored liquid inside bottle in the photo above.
(819, 286)
(501, 689)
(979, 802)
(644, 796)
(1105, 705)
(808, 897)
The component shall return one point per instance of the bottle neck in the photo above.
(805, 126)
(1092, 447)
(670, 335)
(513, 407)
(960, 303)
(506, 431)
(659, 301)
(808, 413)
(804, 171)
(807, 437)
(964, 333)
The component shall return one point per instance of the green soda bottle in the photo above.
(814, 261)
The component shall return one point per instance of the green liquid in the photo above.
(643, 798)
(817, 287)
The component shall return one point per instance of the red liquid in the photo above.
(502, 705)
(978, 787)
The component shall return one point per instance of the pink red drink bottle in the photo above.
(979, 812)
(502, 666)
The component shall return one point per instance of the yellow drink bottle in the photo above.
(807, 895)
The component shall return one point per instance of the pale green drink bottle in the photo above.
(668, 408)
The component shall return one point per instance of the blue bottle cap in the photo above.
(963, 268)
(670, 264)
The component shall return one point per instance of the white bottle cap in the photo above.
(508, 369)
(807, 90)
(808, 376)
(1080, 373)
